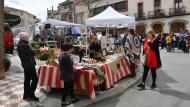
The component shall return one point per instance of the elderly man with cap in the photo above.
(28, 62)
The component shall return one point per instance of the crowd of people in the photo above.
(172, 41)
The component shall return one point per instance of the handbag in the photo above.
(143, 57)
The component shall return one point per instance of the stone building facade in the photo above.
(162, 15)
(82, 11)
(27, 19)
(65, 11)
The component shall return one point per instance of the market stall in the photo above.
(110, 18)
(86, 77)
(51, 34)
(104, 70)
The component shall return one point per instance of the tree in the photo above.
(2, 65)
(89, 3)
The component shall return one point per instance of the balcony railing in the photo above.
(160, 13)
(156, 13)
(177, 11)
(140, 16)
(68, 10)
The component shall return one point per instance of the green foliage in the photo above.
(37, 51)
(89, 39)
(36, 38)
(44, 56)
(35, 45)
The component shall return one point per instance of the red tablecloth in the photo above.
(111, 76)
(84, 79)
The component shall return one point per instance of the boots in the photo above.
(141, 86)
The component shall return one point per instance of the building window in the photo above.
(98, 10)
(105, 7)
(157, 28)
(177, 27)
(140, 29)
(140, 9)
(178, 4)
(157, 4)
(82, 19)
(120, 6)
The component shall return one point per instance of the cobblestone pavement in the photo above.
(11, 88)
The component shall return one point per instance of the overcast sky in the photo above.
(36, 7)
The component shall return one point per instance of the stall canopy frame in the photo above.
(110, 17)
(59, 23)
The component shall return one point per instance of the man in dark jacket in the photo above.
(28, 62)
(66, 74)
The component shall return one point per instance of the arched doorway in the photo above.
(177, 26)
(157, 28)
(140, 29)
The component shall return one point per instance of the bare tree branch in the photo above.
(88, 4)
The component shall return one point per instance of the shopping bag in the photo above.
(143, 57)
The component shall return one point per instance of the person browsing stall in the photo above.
(94, 47)
(103, 40)
(133, 50)
(66, 74)
(28, 63)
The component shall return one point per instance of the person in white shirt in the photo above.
(174, 41)
(103, 40)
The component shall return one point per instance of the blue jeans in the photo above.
(168, 46)
(174, 44)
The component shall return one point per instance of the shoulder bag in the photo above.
(143, 57)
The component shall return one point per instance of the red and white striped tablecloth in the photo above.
(111, 76)
(84, 79)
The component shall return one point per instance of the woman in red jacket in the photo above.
(8, 40)
(153, 61)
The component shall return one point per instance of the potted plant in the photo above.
(44, 56)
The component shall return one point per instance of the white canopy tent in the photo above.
(110, 17)
(59, 23)
(55, 22)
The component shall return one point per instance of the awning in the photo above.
(11, 19)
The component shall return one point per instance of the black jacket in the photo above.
(95, 47)
(66, 67)
(26, 55)
(155, 47)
